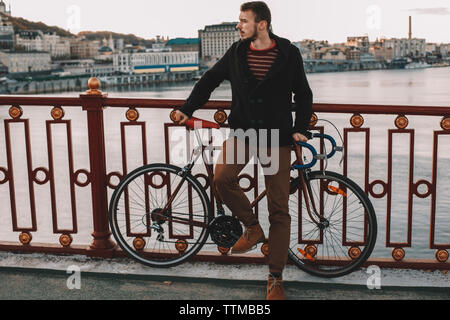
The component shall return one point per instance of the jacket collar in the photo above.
(283, 49)
(282, 44)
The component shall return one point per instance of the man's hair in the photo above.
(261, 11)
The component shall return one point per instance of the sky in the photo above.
(331, 20)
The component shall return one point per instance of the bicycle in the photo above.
(161, 215)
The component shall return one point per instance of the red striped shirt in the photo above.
(260, 61)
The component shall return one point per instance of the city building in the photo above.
(352, 54)
(304, 51)
(184, 44)
(59, 47)
(311, 49)
(129, 48)
(334, 54)
(319, 53)
(30, 40)
(119, 44)
(81, 48)
(104, 55)
(367, 57)
(3, 8)
(216, 39)
(151, 62)
(405, 47)
(105, 51)
(444, 49)
(20, 62)
(86, 67)
(6, 29)
(76, 67)
(107, 47)
(111, 42)
(361, 43)
(381, 53)
(100, 70)
(431, 48)
(158, 46)
(36, 40)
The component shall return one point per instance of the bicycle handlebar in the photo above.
(329, 138)
(195, 123)
(313, 150)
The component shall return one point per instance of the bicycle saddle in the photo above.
(195, 123)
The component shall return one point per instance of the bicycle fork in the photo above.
(308, 195)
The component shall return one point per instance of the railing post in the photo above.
(92, 102)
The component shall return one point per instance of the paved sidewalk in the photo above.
(35, 284)
(38, 276)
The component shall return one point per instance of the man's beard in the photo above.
(254, 36)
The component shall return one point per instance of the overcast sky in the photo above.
(331, 20)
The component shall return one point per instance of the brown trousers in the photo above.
(277, 187)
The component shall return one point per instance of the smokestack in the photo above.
(410, 28)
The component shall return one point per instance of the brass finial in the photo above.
(94, 85)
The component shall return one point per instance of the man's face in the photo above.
(248, 28)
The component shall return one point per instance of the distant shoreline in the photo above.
(79, 84)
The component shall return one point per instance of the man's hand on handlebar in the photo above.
(298, 137)
(180, 117)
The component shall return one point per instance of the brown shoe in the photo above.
(251, 237)
(275, 289)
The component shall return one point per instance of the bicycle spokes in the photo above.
(160, 215)
(341, 232)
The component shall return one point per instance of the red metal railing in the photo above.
(93, 103)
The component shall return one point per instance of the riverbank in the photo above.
(55, 84)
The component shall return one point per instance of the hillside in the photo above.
(128, 38)
(24, 24)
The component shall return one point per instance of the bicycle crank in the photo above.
(225, 231)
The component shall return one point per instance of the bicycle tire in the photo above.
(147, 207)
(314, 259)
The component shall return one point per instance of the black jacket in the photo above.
(264, 104)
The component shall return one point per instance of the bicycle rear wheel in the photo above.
(340, 237)
(150, 235)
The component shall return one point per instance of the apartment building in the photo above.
(405, 47)
(6, 31)
(18, 62)
(216, 39)
(83, 48)
(36, 40)
(361, 43)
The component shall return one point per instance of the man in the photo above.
(264, 70)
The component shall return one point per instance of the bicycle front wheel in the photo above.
(339, 232)
(145, 230)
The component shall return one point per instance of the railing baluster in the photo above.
(92, 102)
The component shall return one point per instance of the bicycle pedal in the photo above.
(306, 255)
